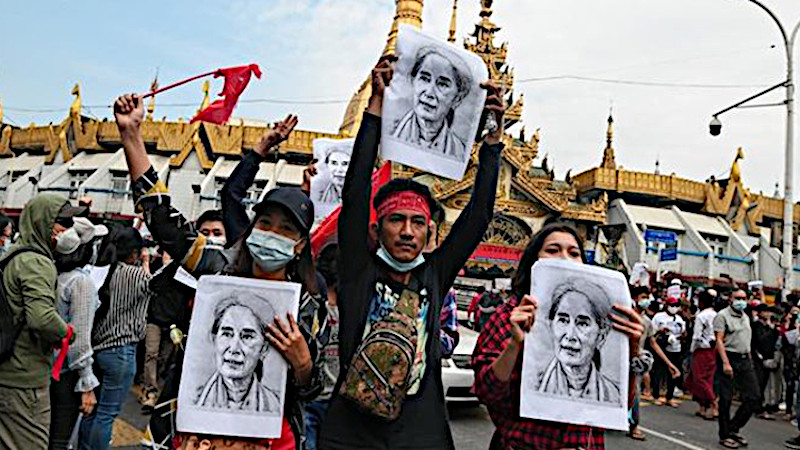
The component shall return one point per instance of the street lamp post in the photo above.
(788, 202)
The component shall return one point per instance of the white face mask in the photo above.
(67, 241)
(399, 266)
(673, 309)
(216, 240)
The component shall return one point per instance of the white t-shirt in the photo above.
(703, 335)
(675, 326)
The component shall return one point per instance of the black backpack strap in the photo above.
(8, 257)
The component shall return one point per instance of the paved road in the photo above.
(667, 429)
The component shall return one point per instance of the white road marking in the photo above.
(676, 441)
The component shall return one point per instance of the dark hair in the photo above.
(402, 185)
(705, 299)
(120, 243)
(328, 263)
(5, 221)
(301, 268)
(462, 78)
(590, 291)
(639, 290)
(481, 289)
(211, 215)
(79, 258)
(521, 283)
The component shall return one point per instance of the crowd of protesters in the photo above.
(81, 300)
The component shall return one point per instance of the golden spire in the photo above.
(152, 106)
(609, 161)
(452, 37)
(75, 108)
(736, 172)
(206, 87)
(407, 12)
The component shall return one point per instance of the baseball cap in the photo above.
(675, 281)
(67, 212)
(671, 301)
(87, 230)
(294, 200)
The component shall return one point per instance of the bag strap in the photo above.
(7, 258)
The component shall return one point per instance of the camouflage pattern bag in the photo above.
(380, 372)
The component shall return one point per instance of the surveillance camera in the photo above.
(715, 127)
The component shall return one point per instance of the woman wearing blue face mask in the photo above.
(273, 246)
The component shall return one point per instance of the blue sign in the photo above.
(669, 254)
(589, 256)
(667, 237)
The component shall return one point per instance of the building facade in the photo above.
(724, 231)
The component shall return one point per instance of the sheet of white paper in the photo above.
(98, 275)
(432, 109)
(333, 158)
(226, 345)
(577, 339)
(184, 277)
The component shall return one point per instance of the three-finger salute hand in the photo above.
(277, 134)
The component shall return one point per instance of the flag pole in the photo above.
(179, 83)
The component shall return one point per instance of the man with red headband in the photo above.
(389, 393)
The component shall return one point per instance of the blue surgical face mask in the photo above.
(6, 244)
(645, 303)
(739, 305)
(396, 265)
(271, 251)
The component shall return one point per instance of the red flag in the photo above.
(236, 79)
(330, 225)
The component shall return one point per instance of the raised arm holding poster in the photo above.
(575, 365)
(432, 108)
(233, 382)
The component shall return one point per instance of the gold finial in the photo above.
(736, 172)
(1, 112)
(609, 162)
(75, 108)
(452, 37)
(206, 88)
(407, 12)
(152, 105)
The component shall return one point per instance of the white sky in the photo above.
(323, 49)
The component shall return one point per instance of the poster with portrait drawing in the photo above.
(333, 158)
(432, 108)
(575, 365)
(233, 381)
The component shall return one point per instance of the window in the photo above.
(119, 186)
(76, 179)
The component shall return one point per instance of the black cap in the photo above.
(67, 212)
(293, 199)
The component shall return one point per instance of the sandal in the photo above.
(729, 443)
(637, 434)
(739, 438)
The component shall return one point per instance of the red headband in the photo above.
(408, 200)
